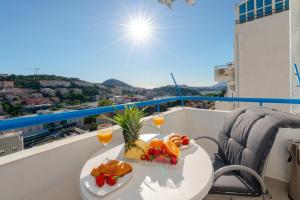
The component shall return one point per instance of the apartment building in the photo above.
(54, 83)
(6, 84)
(261, 66)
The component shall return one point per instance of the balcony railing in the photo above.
(19, 122)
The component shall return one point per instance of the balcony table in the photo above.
(191, 179)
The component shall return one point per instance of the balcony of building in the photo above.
(224, 73)
(51, 171)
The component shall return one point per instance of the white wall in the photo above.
(262, 58)
(295, 47)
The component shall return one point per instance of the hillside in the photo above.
(116, 83)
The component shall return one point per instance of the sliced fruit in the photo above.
(172, 149)
(157, 143)
(111, 180)
(100, 180)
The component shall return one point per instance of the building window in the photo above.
(242, 8)
(243, 18)
(250, 15)
(286, 4)
(259, 4)
(278, 5)
(268, 7)
(250, 5)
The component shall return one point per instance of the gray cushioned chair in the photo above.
(244, 143)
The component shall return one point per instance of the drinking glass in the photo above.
(104, 136)
(158, 119)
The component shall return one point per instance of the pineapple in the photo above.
(131, 123)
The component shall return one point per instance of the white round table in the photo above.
(191, 179)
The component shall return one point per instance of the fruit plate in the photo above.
(182, 147)
(90, 184)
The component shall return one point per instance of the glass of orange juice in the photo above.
(104, 136)
(158, 119)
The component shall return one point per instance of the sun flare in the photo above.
(139, 30)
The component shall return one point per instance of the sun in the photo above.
(139, 30)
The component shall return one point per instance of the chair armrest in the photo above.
(259, 179)
(207, 137)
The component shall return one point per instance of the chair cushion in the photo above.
(248, 135)
(229, 183)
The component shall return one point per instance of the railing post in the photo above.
(157, 108)
(260, 103)
(182, 102)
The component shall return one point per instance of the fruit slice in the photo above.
(157, 143)
(172, 149)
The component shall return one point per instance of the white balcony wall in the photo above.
(51, 171)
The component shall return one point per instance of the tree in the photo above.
(169, 3)
(105, 102)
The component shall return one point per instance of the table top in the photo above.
(191, 178)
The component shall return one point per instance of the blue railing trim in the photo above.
(20, 122)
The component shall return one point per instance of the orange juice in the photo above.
(158, 120)
(104, 136)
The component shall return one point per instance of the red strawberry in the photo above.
(173, 160)
(156, 152)
(185, 141)
(111, 180)
(151, 151)
(100, 180)
(184, 136)
(147, 156)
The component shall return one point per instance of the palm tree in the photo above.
(169, 3)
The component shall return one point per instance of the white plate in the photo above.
(90, 184)
(182, 147)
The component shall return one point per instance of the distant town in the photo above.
(44, 94)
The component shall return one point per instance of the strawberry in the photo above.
(111, 180)
(147, 157)
(185, 141)
(173, 160)
(156, 152)
(100, 180)
(150, 151)
(184, 136)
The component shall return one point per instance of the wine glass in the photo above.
(104, 136)
(158, 119)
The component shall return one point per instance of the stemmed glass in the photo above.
(158, 119)
(104, 136)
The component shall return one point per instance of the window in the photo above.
(243, 8)
(250, 5)
(260, 12)
(268, 2)
(278, 5)
(243, 18)
(250, 15)
(286, 4)
(259, 4)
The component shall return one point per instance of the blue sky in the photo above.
(82, 38)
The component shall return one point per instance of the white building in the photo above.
(6, 84)
(62, 91)
(48, 91)
(54, 83)
(262, 64)
(83, 84)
